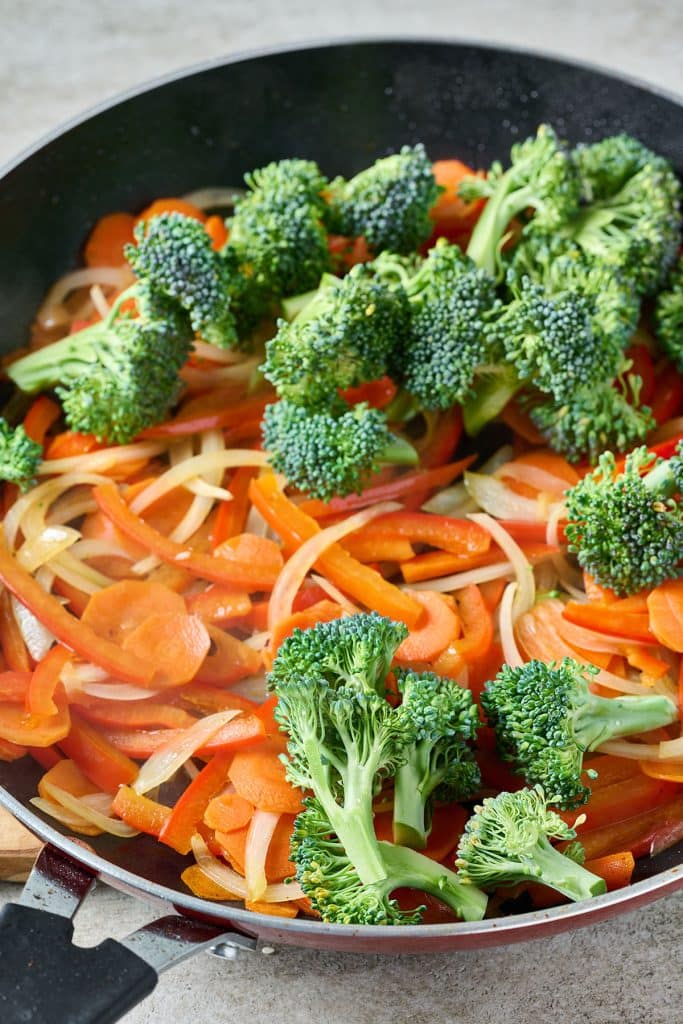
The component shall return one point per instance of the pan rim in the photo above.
(527, 926)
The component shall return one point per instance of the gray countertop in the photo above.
(56, 60)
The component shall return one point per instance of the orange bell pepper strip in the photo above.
(644, 834)
(189, 809)
(378, 549)
(171, 205)
(477, 628)
(44, 681)
(140, 812)
(665, 608)
(417, 485)
(202, 886)
(459, 536)
(614, 803)
(377, 393)
(106, 242)
(442, 563)
(232, 515)
(11, 751)
(14, 686)
(96, 757)
(229, 571)
(258, 775)
(357, 580)
(612, 619)
(69, 631)
(440, 625)
(218, 605)
(228, 661)
(70, 443)
(139, 714)
(46, 757)
(40, 417)
(210, 699)
(242, 731)
(322, 611)
(12, 642)
(217, 232)
(35, 730)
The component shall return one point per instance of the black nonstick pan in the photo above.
(342, 105)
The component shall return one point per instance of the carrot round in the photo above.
(68, 776)
(119, 609)
(175, 643)
(107, 239)
(228, 813)
(34, 730)
(258, 775)
(438, 627)
(217, 231)
(322, 611)
(665, 608)
(171, 205)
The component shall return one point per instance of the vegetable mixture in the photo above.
(342, 547)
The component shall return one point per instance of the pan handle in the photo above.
(44, 977)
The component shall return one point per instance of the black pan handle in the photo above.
(44, 978)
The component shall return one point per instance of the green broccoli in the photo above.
(342, 338)
(440, 762)
(117, 376)
(633, 222)
(344, 738)
(542, 176)
(278, 233)
(605, 415)
(507, 841)
(19, 455)
(626, 528)
(545, 718)
(669, 316)
(332, 452)
(387, 203)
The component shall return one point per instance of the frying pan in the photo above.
(343, 105)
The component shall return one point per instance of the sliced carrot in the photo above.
(217, 232)
(44, 681)
(105, 245)
(172, 205)
(453, 216)
(35, 730)
(665, 608)
(117, 610)
(96, 757)
(231, 845)
(176, 644)
(322, 611)
(191, 805)
(477, 628)
(11, 751)
(140, 812)
(228, 812)
(14, 686)
(258, 775)
(289, 909)
(278, 864)
(210, 699)
(42, 414)
(200, 885)
(242, 731)
(359, 581)
(68, 776)
(616, 869)
(228, 569)
(74, 634)
(218, 605)
(12, 642)
(437, 629)
(228, 660)
(248, 549)
(595, 592)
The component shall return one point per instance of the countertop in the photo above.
(56, 60)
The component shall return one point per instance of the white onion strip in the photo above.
(495, 498)
(221, 874)
(59, 813)
(541, 479)
(259, 836)
(526, 592)
(507, 631)
(102, 460)
(89, 813)
(166, 761)
(258, 641)
(51, 312)
(198, 465)
(635, 751)
(117, 691)
(458, 580)
(38, 550)
(304, 558)
(36, 636)
(43, 495)
(335, 593)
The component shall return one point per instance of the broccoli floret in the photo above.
(545, 718)
(344, 738)
(440, 762)
(607, 165)
(387, 203)
(636, 228)
(542, 176)
(450, 301)
(278, 233)
(19, 455)
(343, 337)
(117, 376)
(334, 452)
(626, 528)
(507, 841)
(669, 316)
(174, 257)
(606, 415)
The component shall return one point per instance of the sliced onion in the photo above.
(253, 688)
(445, 502)
(43, 495)
(50, 542)
(101, 461)
(221, 874)
(198, 380)
(59, 813)
(671, 750)
(507, 631)
(633, 751)
(255, 523)
(258, 640)
(534, 477)
(37, 638)
(117, 691)
(52, 313)
(214, 196)
(79, 574)
(336, 594)
(99, 301)
(198, 465)
(302, 561)
(90, 814)
(526, 591)
(166, 761)
(445, 584)
(498, 500)
(261, 829)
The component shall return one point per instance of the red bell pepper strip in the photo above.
(377, 393)
(68, 630)
(357, 580)
(459, 536)
(643, 367)
(40, 417)
(444, 431)
(239, 732)
(243, 574)
(44, 681)
(181, 824)
(140, 812)
(107, 767)
(668, 397)
(232, 515)
(610, 804)
(611, 619)
(46, 757)
(647, 833)
(227, 413)
(477, 629)
(11, 640)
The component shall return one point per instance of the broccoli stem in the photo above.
(564, 874)
(409, 804)
(413, 870)
(603, 718)
(493, 390)
(661, 480)
(399, 452)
